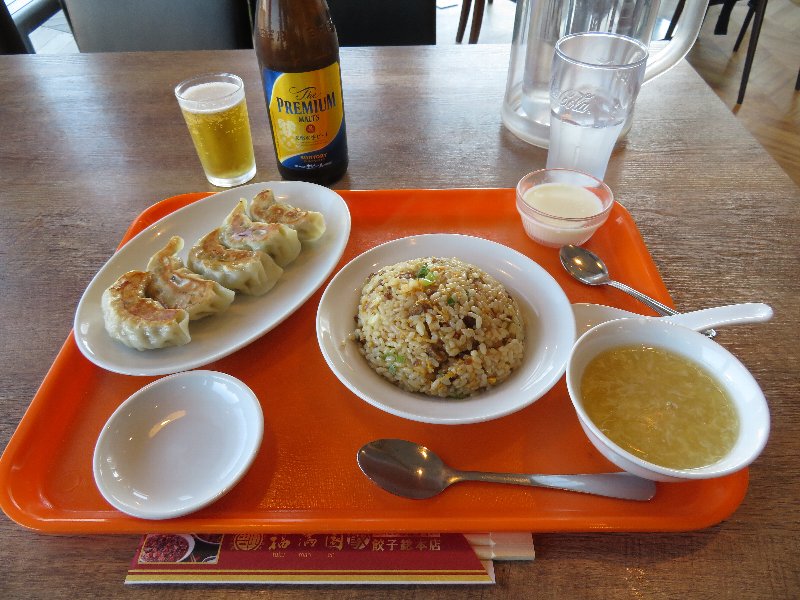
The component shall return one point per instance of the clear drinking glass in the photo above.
(215, 111)
(595, 80)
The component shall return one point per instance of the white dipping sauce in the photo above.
(564, 201)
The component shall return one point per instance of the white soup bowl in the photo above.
(741, 388)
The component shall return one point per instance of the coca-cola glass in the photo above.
(594, 83)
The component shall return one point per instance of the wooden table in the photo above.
(89, 141)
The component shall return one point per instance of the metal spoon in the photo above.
(412, 471)
(585, 266)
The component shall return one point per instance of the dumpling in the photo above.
(308, 224)
(277, 240)
(247, 271)
(175, 286)
(141, 322)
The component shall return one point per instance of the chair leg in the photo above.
(462, 20)
(674, 21)
(721, 27)
(797, 85)
(761, 8)
(477, 19)
(11, 40)
(750, 12)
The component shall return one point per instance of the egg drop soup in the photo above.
(659, 406)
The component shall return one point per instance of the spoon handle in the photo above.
(661, 309)
(612, 485)
(718, 316)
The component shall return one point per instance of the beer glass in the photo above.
(595, 80)
(216, 114)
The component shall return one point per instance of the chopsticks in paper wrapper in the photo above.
(325, 558)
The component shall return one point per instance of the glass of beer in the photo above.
(216, 113)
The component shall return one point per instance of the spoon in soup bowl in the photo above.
(589, 315)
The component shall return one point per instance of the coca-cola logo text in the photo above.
(575, 101)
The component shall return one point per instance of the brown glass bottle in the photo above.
(298, 53)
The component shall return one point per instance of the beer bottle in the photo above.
(298, 52)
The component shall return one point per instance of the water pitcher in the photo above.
(539, 24)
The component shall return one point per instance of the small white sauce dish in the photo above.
(178, 444)
(561, 206)
(741, 387)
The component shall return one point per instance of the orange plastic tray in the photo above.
(305, 477)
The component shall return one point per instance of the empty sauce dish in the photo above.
(178, 444)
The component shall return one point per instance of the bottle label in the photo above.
(307, 115)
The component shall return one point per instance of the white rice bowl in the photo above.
(546, 312)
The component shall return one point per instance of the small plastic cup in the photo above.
(561, 206)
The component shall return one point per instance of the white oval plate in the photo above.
(178, 444)
(549, 330)
(249, 317)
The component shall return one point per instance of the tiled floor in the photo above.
(54, 36)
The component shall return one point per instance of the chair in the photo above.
(115, 26)
(757, 9)
(16, 26)
(384, 22)
(11, 41)
(477, 20)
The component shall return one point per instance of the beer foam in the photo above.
(210, 97)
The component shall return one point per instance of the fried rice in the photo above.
(440, 327)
